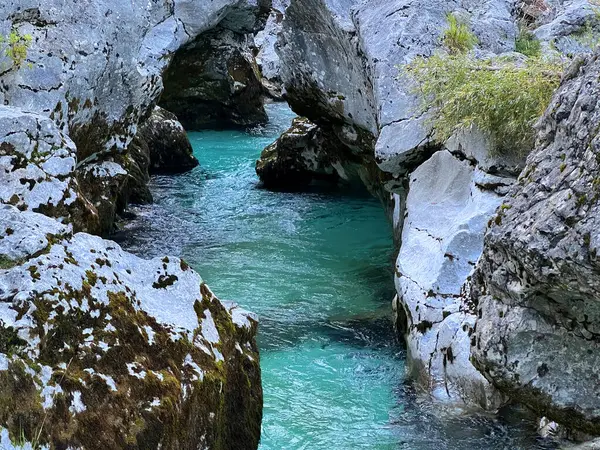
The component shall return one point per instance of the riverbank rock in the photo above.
(340, 69)
(170, 149)
(37, 170)
(101, 349)
(214, 82)
(98, 348)
(137, 165)
(536, 290)
(448, 207)
(161, 146)
(267, 58)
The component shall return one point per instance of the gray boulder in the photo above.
(340, 65)
(161, 146)
(98, 348)
(302, 154)
(170, 149)
(101, 349)
(37, 170)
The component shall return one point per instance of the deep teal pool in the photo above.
(317, 268)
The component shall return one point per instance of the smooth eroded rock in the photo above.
(447, 211)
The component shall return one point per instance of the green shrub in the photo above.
(500, 98)
(15, 47)
(528, 44)
(588, 36)
(458, 38)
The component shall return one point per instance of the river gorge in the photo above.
(299, 224)
(317, 267)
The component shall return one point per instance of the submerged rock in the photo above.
(214, 82)
(536, 291)
(101, 349)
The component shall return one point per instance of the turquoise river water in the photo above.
(317, 268)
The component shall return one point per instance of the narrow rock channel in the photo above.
(317, 268)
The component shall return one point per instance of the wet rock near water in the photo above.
(97, 94)
(447, 211)
(301, 155)
(94, 353)
(170, 149)
(340, 69)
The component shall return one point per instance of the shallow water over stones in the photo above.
(317, 268)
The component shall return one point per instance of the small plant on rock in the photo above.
(458, 37)
(15, 47)
(527, 44)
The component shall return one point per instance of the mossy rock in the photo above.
(91, 356)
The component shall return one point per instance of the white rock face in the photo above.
(95, 67)
(342, 69)
(37, 169)
(447, 212)
(266, 39)
(343, 56)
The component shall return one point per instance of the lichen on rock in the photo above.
(37, 165)
(302, 154)
(536, 289)
(141, 352)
